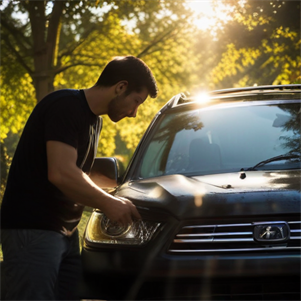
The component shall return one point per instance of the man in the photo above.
(48, 184)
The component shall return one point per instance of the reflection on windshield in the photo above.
(221, 140)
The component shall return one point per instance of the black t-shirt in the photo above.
(30, 200)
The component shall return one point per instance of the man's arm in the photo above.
(77, 186)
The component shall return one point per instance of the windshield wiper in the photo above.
(287, 156)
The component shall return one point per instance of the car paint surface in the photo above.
(261, 192)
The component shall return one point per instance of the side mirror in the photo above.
(107, 172)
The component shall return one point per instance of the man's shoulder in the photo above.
(64, 93)
(70, 99)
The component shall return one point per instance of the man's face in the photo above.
(126, 106)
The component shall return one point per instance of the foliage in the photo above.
(82, 225)
(16, 106)
(261, 45)
(16, 101)
(3, 170)
(297, 81)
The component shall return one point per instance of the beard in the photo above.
(114, 110)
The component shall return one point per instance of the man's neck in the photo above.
(98, 99)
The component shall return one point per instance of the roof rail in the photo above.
(183, 98)
(256, 88)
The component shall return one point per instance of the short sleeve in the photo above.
(63, 121)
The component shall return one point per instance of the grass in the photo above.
(81, 229)
(82, 225)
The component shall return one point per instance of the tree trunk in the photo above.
(45, 32)
(43, 84)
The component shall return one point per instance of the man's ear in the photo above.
(121, 87)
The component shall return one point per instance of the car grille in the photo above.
(232, 238)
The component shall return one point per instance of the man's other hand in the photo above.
(121, 210)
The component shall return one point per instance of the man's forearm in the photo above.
(77, 186)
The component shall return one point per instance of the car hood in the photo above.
(246, 193)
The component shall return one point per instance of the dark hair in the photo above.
(133, 70)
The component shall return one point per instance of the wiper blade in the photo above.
(288, 156)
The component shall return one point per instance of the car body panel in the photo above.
(260, 193)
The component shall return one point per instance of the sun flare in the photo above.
(202, 97)
(206, 15)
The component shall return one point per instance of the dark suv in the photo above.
(217, 182)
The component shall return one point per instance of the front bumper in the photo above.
(150, 272)
(145, 274)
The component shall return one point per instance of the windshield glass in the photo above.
(220, 140)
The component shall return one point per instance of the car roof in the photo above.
(255, 93)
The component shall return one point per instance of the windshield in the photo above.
(220, 140)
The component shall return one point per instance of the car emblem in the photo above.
(271, 232)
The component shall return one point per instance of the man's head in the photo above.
(132, 70)
(126, 105)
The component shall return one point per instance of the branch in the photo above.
(154, 42)
(36, 10)
(18, 56)
(16, 34)
(73, 47)
(53, 30)
(155, 49)
(64, 68)
(54, 21)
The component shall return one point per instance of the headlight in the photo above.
(101, 230)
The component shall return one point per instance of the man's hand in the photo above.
(121, 210)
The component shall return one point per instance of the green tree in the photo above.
(261, 45)
(17, 100)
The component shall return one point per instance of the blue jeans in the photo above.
(40, 265)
